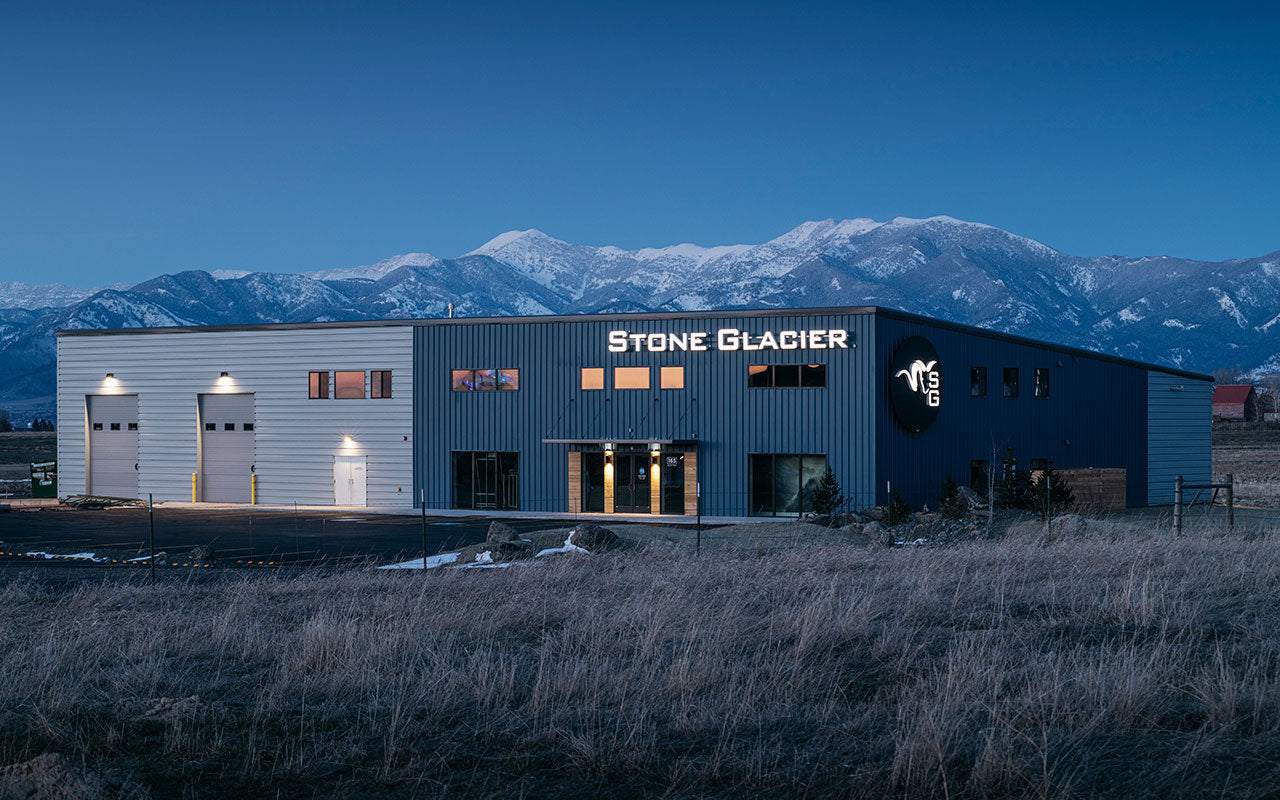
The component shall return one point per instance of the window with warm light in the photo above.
(631, 377)
(348, 385)
(671, 377)
(485, 380)
(380, 384)
(592, 378)
(318, 385)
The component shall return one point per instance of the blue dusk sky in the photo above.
(149, 138)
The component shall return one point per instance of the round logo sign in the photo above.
(915, 383)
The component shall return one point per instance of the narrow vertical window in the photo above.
(319, 385)
(1010, 381)
(380, 384)
(977, 381)
(1042, 381)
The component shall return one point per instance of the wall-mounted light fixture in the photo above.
(111, 376)
(224, 375)
(347, 439)
(608, 458)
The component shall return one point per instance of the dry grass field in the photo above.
(1135, 666)
(1252, 454)
(17, 450)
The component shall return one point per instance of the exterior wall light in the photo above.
(224, 375)
(347, 439)
(111, 376)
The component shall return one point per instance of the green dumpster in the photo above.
(44, 479)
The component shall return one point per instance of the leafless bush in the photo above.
(1121, 667)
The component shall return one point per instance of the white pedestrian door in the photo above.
(349, 481)
(113, 445)
(226, 447)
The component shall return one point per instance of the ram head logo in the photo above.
(923, 378)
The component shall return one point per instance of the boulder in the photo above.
(819, 519)
(593, 538)
(876, 513)
(501, 532)
(878, 536)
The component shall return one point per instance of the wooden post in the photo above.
(1177, 505)
(1231, 502)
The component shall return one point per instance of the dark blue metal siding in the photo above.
(1099, 407)
(716, 407)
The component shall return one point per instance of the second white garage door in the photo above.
(226, 447)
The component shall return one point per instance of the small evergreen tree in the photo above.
(827, 495)
(899, 511)
(1013, 485)
(1050, 492)
(5, 425)
(949, 501)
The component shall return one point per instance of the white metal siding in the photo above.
(295, 439)
(1179, 433)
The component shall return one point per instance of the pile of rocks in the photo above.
(504, 544)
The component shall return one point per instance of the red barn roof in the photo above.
(1231, 393)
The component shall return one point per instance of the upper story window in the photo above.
(977, 381)
(1042, 382)
(485, 380)
(348, 385)
(770, 376)
(319, 385)
(671, 377)
(380, 383)
(591, 378)
(1010, 381)
(631, 377)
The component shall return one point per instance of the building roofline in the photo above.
(645, 315)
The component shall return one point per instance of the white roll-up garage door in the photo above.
(113, 445)
(226, 447)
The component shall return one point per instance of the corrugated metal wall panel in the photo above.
(1179, 433)
(1095, 414)
(716, 406)
(296, 438)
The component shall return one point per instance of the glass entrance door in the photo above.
(486, 467)
(631, 484)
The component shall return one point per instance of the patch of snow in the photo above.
(567, 547)
(89, 556)
(432, 562)
(229, 274)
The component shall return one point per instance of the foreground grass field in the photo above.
(1145, 667)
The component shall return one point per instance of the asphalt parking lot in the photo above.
(243, 538)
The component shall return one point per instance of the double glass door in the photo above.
(631, 494)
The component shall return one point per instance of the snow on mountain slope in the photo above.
(1185, 313)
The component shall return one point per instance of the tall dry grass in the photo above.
(1144, 667)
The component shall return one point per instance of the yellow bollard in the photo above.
(253, 489)
(193, 487)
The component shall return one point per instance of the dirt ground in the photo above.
(1252, 454)
(17, 450)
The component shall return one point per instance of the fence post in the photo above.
(1231, 502)
(1177, 505)
(423, 499)
(151, 517)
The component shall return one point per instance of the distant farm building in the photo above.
(1236, 402)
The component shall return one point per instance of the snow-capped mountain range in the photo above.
(1193, 314)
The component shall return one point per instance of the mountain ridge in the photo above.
(1161, 309)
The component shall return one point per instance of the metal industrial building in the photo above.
(617, 413)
